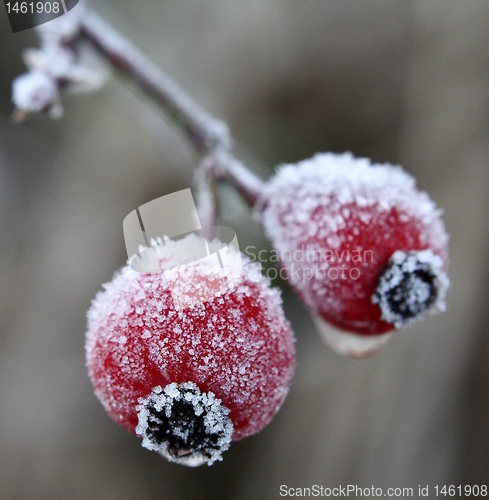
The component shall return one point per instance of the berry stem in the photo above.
(209, 136)
(207, 202)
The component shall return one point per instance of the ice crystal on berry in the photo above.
(237, 345)
(411, 284)
(184, 425)
(335, 221)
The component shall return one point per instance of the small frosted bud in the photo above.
(35, 92)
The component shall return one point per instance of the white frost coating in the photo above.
(217, 426)
(34, 92)
(195, 270)
(61, 64)
(53, 67)
(54, 60)
(140, 307)
(346, 180)
(63, 28)
(350, 344)
(323, 203)
(416, 292)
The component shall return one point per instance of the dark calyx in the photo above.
(407, 287)
(185, 425)
(183, 431)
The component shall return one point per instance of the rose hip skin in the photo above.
(336, 221)
(238, 346)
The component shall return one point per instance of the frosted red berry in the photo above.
(189, 380)
(365, 250)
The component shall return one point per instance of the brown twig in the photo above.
(208, 135)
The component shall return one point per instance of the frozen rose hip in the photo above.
(365, 250)
(188, 380)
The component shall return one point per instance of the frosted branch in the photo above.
(208, 135)
(55, 67)
(204, 131)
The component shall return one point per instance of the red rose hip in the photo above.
(188, 380)
(365, 250)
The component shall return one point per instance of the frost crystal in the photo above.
(335, 221)
(237, 345)
(341, 180)
(34, 92)
(183, 424)
(64, 28)
(53, 68)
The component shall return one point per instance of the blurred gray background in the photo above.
(404, 81)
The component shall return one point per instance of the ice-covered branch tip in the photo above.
(55, 67)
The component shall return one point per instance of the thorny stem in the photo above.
(208, 135)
